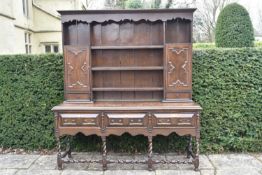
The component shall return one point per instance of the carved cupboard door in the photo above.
(178, 71)
(77, 72)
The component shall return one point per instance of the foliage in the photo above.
(134, 4)
(212, 45)
(226, 83)
(204, 45)
(234, 27)
(258, 43)
(120, 4)
(30, 85)
(156, 4)
(205, 18)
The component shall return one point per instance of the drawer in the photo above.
(174, 120)
(185, 122)
(79, 119)
(126, 120)
(139, 121)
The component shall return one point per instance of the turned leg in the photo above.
(189, 147)
(150, 153)
(104, 161)
(59, 155)
(196, 158)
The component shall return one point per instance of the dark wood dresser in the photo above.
(128, 71)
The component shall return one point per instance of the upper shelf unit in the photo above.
(127, 34)
(128, 54)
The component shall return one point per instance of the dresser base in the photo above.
(148, 119)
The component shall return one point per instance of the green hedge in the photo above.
(258, 43)
(234, 27)
(213, 45)
(204, 45)
(30, 85)
(228, 85)
(226, 82)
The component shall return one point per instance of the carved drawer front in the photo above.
(126, 119)
(174, 120)
(79, 119)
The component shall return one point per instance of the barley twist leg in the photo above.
(104, 161)
(150, 153)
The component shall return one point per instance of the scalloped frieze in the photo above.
(119, 17)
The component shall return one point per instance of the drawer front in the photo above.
(136, 121)
(185, 122)
(126, 120)
(79, 120)
(174, 120)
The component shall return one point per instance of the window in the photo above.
(51, 48)
(25, 8)
(29, 38)
(47, 48)
(56, 50)
(28, 46)
(25, 37)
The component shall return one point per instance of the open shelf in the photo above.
(128, 89)
(129, 47)
(127, 68)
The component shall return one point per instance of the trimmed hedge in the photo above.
(226, 82)
(228, 85)
(212, 45)
(234, 27)
(204, 45)
(30, 85)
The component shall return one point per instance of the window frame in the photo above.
(52, 47)
(28, 44)
(25, 8)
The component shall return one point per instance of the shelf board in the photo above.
(129, 47)
(128, 89)
(127, 68)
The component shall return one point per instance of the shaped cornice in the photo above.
(101, 16)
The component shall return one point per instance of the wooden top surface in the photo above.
(127, 106)
(110, 11)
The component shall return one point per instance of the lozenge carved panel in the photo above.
(178, 71)
(77, 80)
(77, 69)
